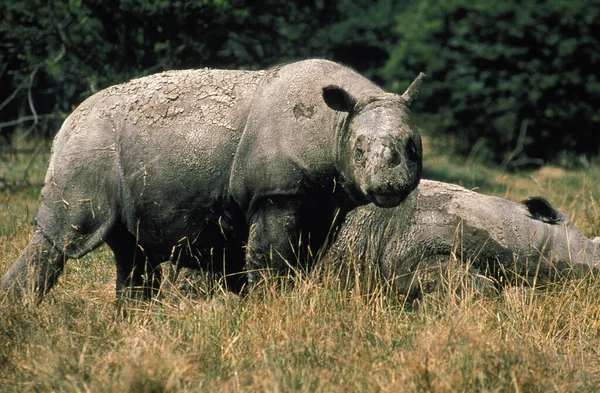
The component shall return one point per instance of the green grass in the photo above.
(316, 335)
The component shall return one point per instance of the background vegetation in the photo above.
(512, 82)
(516, 81)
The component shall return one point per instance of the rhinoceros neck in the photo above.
(290, 143)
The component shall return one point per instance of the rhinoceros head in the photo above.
(381, 150)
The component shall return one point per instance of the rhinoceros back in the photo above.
(155, 153)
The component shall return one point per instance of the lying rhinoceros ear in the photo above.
(412, 93)
(338, 99)
(542, 210)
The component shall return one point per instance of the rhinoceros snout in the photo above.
(393, 154)
(391, 158)
(391, 181)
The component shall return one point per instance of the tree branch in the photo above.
(520, 144)
(25, 119)
(13, 95)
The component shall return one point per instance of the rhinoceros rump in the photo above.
(208, 168)
(498, 237)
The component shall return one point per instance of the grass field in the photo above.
(316, 335)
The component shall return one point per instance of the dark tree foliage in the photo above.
(518, 79)
(515, 81)
(54, 54)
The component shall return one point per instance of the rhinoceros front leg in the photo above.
(138, 276)
(273, 240)
(35, 272)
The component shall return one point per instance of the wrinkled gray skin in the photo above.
(499, 237)
(217, 169)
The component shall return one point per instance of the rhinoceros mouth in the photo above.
(388, 199)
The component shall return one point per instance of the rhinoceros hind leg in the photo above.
(35, 272)
(138, 275)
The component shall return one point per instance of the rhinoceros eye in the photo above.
(359, 150)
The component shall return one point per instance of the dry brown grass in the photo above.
(315, 335)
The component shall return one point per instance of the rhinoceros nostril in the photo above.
(392, 157)
(359, 153)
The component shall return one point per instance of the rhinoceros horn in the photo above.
(412, 93)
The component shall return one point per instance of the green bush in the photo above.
(55, 54)
(517, 81)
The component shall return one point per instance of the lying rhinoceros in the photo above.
(200, 167)
(499, 238)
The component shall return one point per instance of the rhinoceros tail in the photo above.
(542, 210)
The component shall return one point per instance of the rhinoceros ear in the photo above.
(542, 210)
(338, 99)
(412, 93)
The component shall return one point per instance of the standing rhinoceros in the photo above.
(200, 167)
(498, 237)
